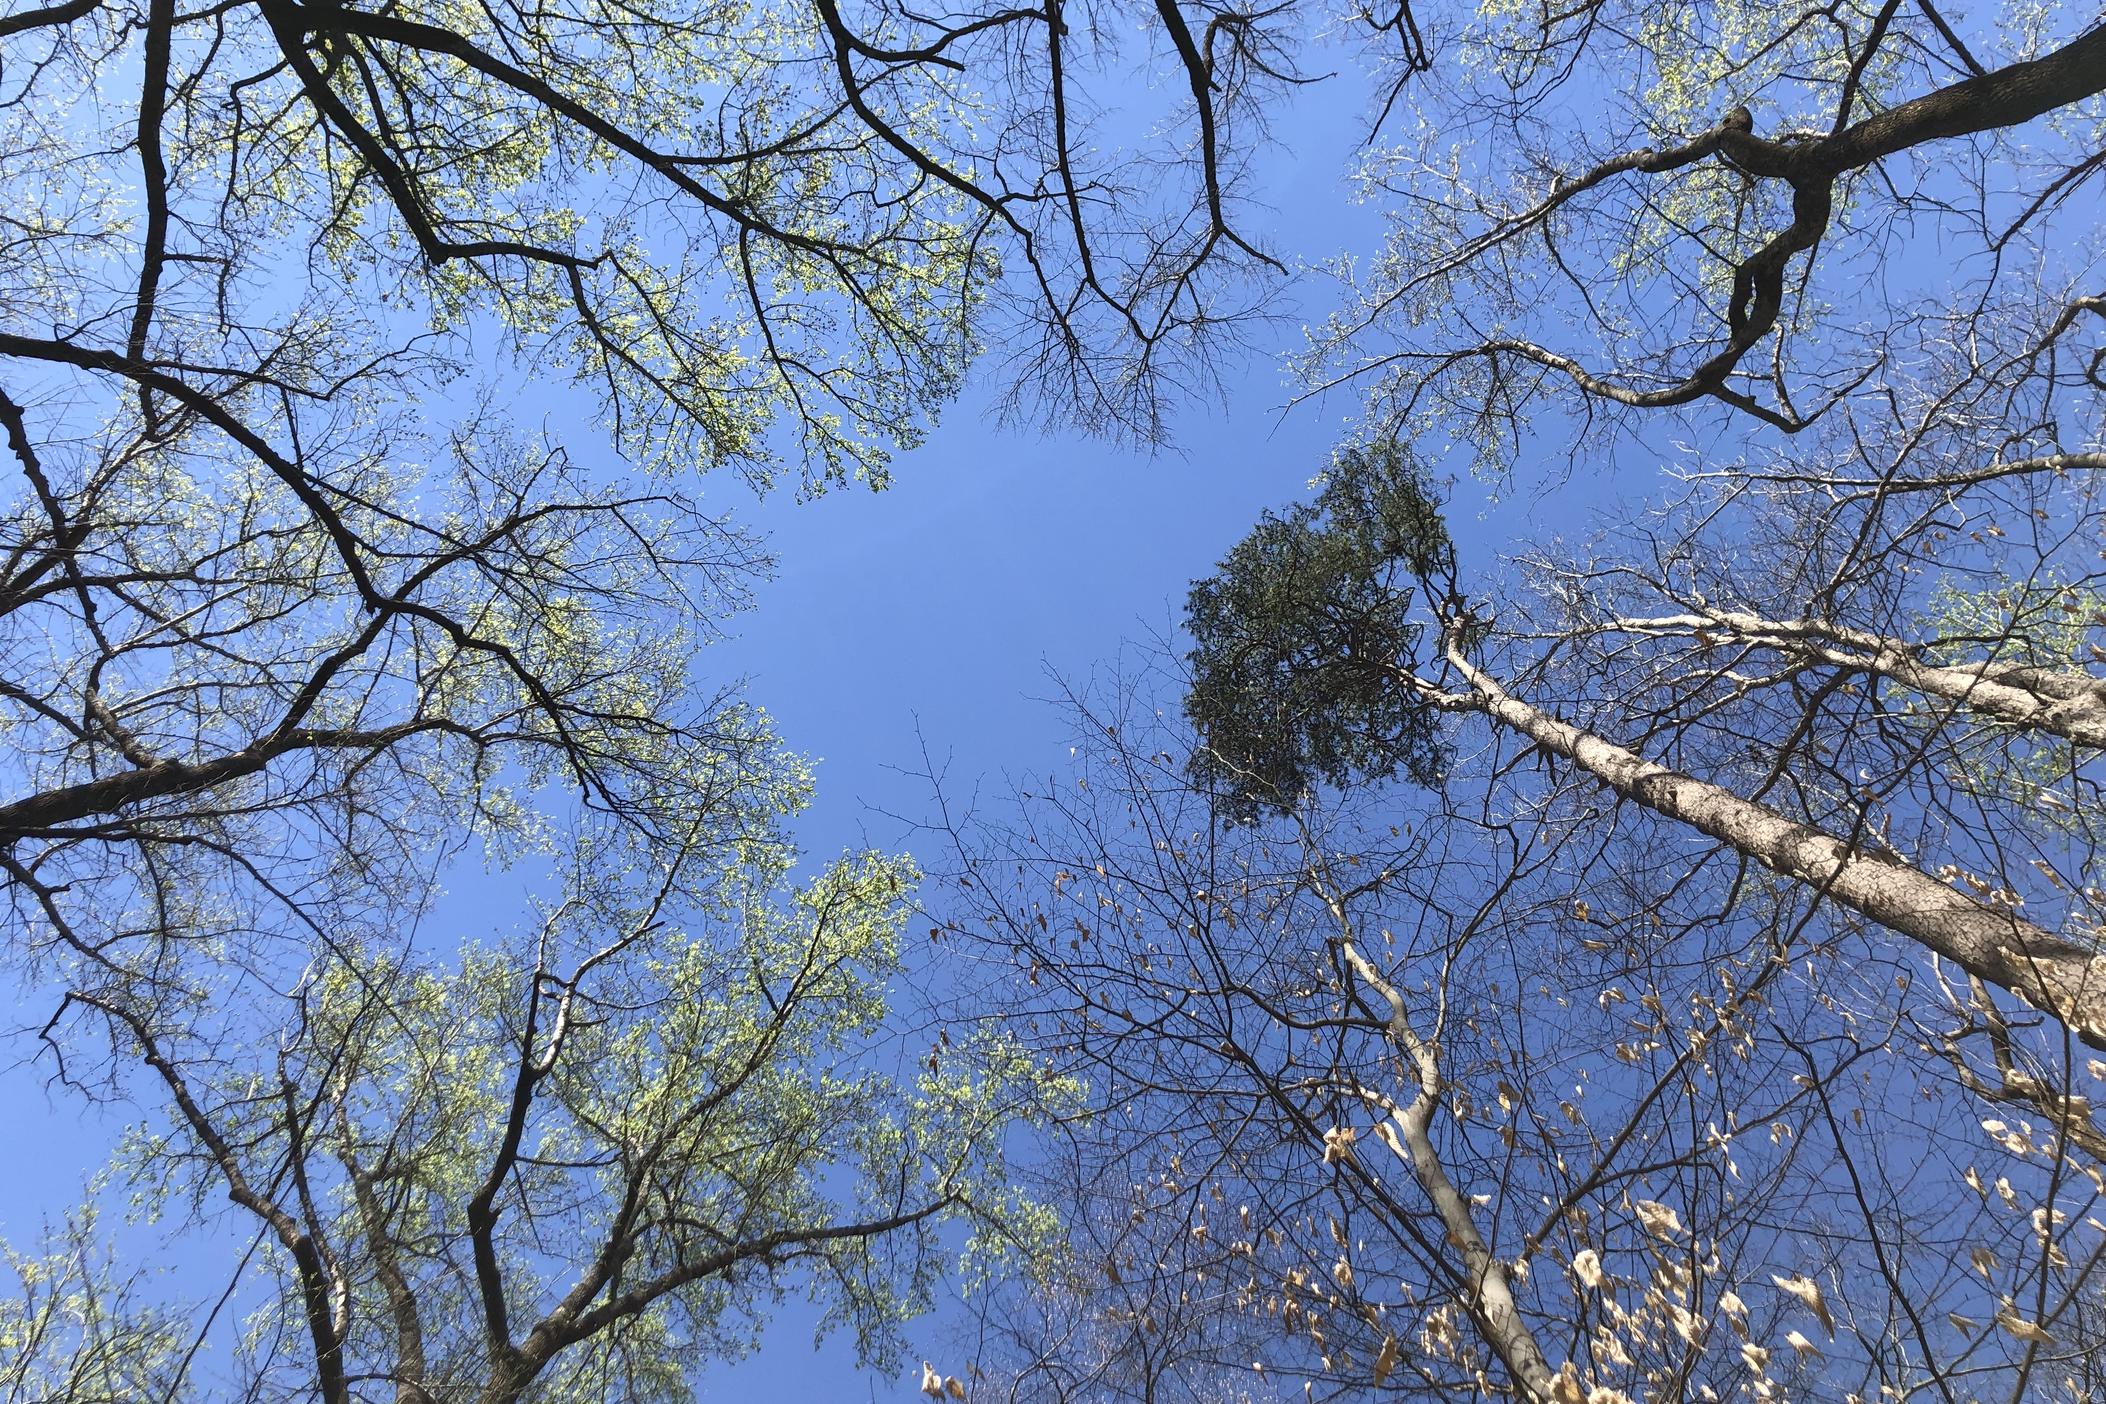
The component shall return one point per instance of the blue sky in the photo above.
(946, 607)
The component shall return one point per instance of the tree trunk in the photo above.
(2049, 972)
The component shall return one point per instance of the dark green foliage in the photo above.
(1301, 636)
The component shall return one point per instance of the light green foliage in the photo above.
(712, 1115)
(2034, 623)
(660, 205)
(75, 1330)
(580, 609)
(707, 1105)
(2040, 622)
(297, 624)
(1696, 59)
(1574, 257)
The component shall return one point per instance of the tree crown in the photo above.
(1298, 637)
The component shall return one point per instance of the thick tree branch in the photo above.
(2061, 977)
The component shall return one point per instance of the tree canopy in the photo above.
(300, 618)
(1297, 642)
(1658, 957)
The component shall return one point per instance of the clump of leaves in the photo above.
(1303, 637)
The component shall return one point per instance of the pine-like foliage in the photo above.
(1300, 635)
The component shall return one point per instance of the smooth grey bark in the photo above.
(2050, 972)
(1488, 1285)
(2069, 705)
